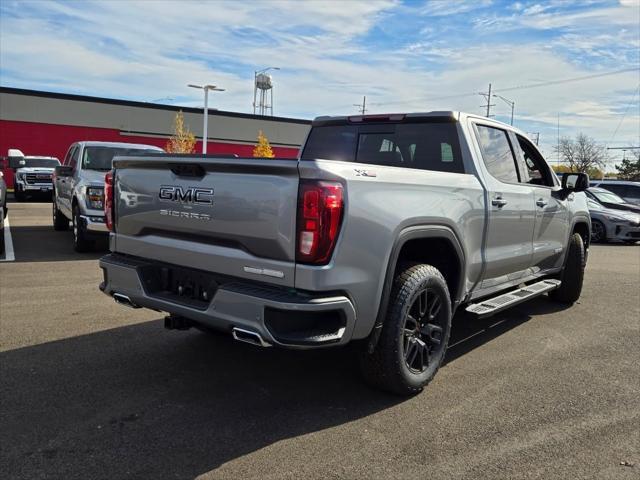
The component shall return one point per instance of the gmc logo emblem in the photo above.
(192, 195)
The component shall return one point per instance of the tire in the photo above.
(2, 212)
(60, 222)
(415, 333)
(80, 242)
(598, 232)
(573, 273)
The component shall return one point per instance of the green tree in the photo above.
(182, 140)
(263, 149)
(629, 169)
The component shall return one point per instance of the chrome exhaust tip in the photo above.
(124, 300)
(249, 336)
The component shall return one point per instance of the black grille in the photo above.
(38, 178)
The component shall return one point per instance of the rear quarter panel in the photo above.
(377, 209)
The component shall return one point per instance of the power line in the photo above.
(507, 89)
(624, 115)
(567, 80)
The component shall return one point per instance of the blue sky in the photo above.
(403, 55)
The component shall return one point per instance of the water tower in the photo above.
(263, 92)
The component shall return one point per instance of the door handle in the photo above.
(541, 202)
(498, 202)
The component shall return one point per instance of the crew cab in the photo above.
(383, 228)
(79, 188)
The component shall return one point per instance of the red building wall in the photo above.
(54, 140)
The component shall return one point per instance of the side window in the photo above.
(633, 191)
(497, 154)
(620, 190)
(537, 170)
(67, 157)
(73, 161)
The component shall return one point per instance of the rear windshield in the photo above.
(41, 162)
(425, 146)
(100, 158)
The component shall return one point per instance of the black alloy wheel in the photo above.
(423, 331)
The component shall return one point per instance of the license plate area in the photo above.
(185, 286)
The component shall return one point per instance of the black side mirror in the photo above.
(64, 171)
(16, 162)
(575, 182)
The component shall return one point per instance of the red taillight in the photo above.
(108, 200)
(320, 206)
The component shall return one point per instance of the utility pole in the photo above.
(362, 107)
(535, 136)
(489, 104)
(558, 138)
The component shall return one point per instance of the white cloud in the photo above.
(148, 50)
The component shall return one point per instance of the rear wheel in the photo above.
(598, 232)
(415, 334)
(60, 222)
(80, 241)
(573, 273)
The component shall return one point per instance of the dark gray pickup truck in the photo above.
(380, 231)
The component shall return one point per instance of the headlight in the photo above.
(616, 219)
(95, 196)
(20, 176)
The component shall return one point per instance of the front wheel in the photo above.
(573, 274)
(60, 222)
(414, 336)
(80, 241)
(598, 232)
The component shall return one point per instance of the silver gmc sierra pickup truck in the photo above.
(377, 234)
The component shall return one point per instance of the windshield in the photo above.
(608, 197)
(41, 162)
(99, 158)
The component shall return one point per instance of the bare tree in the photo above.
(582, 154)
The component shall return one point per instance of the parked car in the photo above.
(3, 210)
(608, 224)
(610, 199)
(385, 227)
(32, 174)
(628, 190)
(79, 187)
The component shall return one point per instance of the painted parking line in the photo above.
(8, 243)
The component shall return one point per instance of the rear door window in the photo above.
(497, 153)
(425, 146)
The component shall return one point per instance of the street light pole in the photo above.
(255, 85)
(511, 103)
(205, 123)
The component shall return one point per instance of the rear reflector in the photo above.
(320, 207)
(108, 200)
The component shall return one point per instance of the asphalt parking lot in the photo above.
(90, 389)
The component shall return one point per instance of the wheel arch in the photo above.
(435, 245)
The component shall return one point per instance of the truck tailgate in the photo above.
(231, 216)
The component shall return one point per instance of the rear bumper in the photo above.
(282, 317)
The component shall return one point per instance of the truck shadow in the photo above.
(143, 402)
(41, 243)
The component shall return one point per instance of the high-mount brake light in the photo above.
(320, 209)
(108, 200)
(389, 117)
